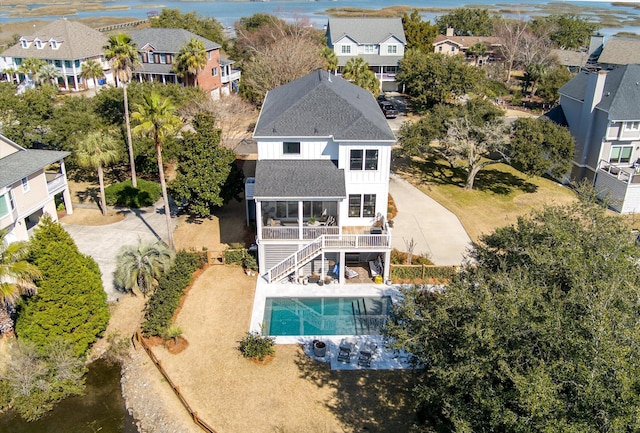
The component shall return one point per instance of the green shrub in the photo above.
(400, 258)
(403, 272)
(256, 346)
(234, 256)
(250, 262)
(163, 303)
(124, 194)
(495, 88)
(516, 97)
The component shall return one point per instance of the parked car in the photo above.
(389, 111)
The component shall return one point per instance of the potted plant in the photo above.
(319, 348)
(312, 221)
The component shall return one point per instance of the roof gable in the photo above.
(322, 105)
(72, 40)
(366, 30)
(168, 40)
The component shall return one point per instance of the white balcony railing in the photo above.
(293, 232)
(628, 175)
(55, 183)
(233, 76)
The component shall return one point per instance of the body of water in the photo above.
(228, 12)
(101, 409)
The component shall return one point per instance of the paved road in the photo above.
(435, 230)
(104, 242)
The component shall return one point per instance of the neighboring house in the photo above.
(322, 181)
(619, 51)
(602, 111)
(379, 41)
(29, 181)
(64, 44)
(573, 60)
(159, 48)
(450, 45)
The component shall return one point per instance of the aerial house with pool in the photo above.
(320, 193)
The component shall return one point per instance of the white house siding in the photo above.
(346, 42)
(391, 41)
(309, 149)
(632, 200)
(365, 181)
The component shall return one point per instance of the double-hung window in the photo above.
(392, 49)
(362, 205)
(346, 49)
(369, 157)
(369, 49)
(632, 126)
(25, 184)
(5, 204)
(620, 154)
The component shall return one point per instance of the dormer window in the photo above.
(150, 57)
(24, 43)
(38, 44)
(54, 45)
(346, 49)
(392, 49)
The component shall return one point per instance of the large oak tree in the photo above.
(538, 333)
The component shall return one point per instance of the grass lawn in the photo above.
(501, 193)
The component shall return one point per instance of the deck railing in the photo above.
(293, 232)
(333, 242)
(627, 175)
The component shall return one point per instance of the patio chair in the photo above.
(366, 354)
(350, 273)
(346, 348)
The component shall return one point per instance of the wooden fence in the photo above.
(138, 339)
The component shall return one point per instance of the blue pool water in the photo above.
(326, 316)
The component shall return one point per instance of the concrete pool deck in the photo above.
(383, 359)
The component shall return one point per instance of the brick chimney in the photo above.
(449, 31)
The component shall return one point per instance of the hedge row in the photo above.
(163, 303)
(241, 256)
(414, 272)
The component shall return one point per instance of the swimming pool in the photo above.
(326, 316)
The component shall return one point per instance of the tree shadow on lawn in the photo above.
(365, 400)
(432, 170)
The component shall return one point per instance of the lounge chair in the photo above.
(346, 348)
(366, 354)
(350, 273)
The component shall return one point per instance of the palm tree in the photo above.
(330, 57)
(155, 118)
(357, 71)
(191, 59)
(534, 73)
(139, 266)
(17, 278)
(91, 70)
(95, 151)
(47, 74)
(476, 50)
(30, 66)
(123, 54)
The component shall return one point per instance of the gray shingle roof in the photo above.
(366, 30)
(298, 179)
(26, 162)
(168, 40)
(322, 105)
(621, 94)
(75, 41)
(619, 51)
(570, 57)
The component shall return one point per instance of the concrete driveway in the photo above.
(435, 230)
(104, 242)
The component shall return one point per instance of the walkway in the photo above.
(435, 230)
(104, 242)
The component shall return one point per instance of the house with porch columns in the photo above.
(64, 44)
(30, 179)
(379, 41)
(320, 193)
